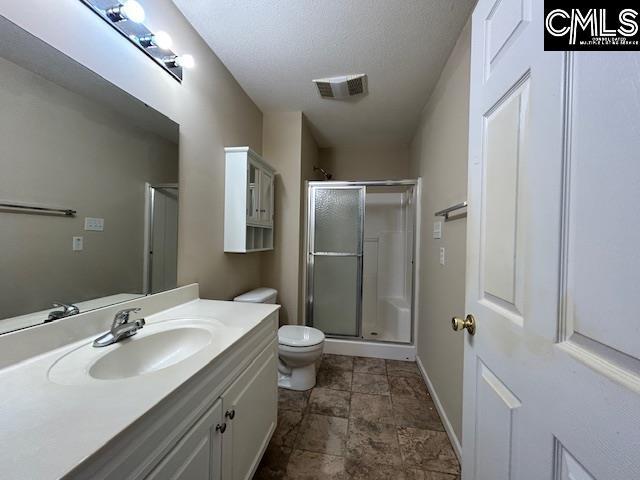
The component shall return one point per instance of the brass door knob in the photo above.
(469, 323)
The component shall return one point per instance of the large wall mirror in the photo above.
(88, 188)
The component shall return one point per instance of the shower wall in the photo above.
(387, 271)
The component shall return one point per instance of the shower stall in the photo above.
(360, 259)
(161, 238)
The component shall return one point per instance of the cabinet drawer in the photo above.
(198, 455)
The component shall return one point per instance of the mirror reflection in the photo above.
(88, 189)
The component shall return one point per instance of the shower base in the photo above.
(365, 348)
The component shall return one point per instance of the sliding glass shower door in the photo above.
(336, 219)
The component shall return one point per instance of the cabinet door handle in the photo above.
(221, 428)
(230, 414)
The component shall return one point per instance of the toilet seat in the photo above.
(299, 336)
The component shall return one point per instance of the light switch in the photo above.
(94, 224)
(441, 255)
(78, 244)
(437, 229)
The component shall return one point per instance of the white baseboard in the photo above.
(357, 348)
(457, 448)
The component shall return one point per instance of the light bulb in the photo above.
(133, 11)
(162, 40)
(185, 61)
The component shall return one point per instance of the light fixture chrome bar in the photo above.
(33, 209)
(137, 34)
(445, 213)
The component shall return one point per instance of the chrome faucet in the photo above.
(67, 311)
(121, 328)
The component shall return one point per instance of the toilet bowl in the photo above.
(299, 349)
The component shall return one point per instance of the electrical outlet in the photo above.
(94, 224)
(77, 244)
(441, 255)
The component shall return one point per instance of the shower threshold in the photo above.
(366, 348)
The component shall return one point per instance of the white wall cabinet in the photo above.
(249, 201)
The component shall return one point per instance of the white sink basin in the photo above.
(150, 353)
(153, 348)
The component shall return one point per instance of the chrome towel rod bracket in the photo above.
(35, 209)
(445, 213)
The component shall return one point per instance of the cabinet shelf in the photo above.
(248, 212)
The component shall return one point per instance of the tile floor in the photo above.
(366, 419)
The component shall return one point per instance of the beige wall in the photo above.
(282, 145)
(212, 109)
(62, 149)
(291, 149)
(439, 156)
(214, 112)
(366, 162)
(310, 158)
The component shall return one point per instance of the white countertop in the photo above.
(47, 429)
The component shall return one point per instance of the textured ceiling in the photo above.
(274, 48)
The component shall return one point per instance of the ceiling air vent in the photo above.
(342, 87)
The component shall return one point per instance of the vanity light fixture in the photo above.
(161, 40)
(127, 17)
(183, 61)
(186, 61)
(127, 10)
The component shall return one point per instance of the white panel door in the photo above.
(552, 374)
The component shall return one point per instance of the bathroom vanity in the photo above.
(193, 395)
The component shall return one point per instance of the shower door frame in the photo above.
(150, 198)
(309, 246)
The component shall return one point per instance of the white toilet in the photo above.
(299, 347)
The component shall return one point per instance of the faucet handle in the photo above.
(67, 309)
(123, 315)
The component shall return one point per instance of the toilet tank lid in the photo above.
(299, 336)
(259, 295)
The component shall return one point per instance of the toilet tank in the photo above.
(259, 295)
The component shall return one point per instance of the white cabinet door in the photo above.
(552, 374)
(198, 455)
(250, 408)
(266, 198)
(253, 193)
